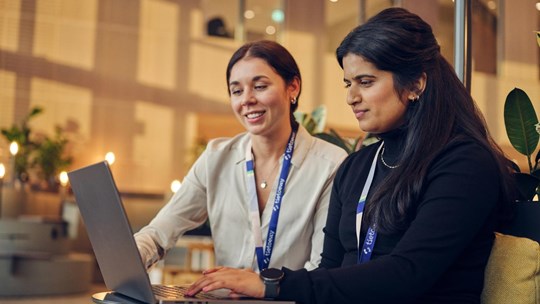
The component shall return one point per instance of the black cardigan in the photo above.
(441, 256)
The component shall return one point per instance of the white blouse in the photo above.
(215, 188)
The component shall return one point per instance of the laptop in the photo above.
(114, 246)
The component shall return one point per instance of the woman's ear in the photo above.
(294, 87)
(418, 87)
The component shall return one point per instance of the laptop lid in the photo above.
(109, 232)
(114, 246)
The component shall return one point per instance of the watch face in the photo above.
(272, 274)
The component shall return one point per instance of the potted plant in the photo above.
(523, 130)
(50, 159)
(21, 135)
(39, 154)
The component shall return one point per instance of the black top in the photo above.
(442, 255)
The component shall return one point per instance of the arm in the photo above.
(319, 220)
(334, 156)
(461, 194)
(186, 210)
(333, 251)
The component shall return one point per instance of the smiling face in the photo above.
(372, 96)
(260, 98)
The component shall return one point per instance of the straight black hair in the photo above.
(400, 42)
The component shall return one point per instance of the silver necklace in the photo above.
(384, 163)
(264, 183)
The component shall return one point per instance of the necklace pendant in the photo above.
(264, 184)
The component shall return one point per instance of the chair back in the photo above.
(513, 270)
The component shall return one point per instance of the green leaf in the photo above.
(300, 117)
(336, 140)
(519, 119)
(319, 117)
(335, 134)
(310, 125)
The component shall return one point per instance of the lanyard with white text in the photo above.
(263, 256)
(369, 242)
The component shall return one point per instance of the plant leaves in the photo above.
(310, 125)
(336, 140)
(319, 116)
(520, 119)
(300, 117)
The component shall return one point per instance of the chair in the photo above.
(513, 270)
(185, 263)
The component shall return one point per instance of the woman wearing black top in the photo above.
(419, 228)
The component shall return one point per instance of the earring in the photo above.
(415, 98)
(293, 100)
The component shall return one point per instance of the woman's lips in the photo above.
(254, 116)
(359, 113)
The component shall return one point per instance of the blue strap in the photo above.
(264, 254)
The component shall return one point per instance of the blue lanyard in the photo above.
(364, 255)
(263, 254)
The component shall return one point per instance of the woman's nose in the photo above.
(353, 97)
(248, 98)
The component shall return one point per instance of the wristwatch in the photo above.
(271, 278)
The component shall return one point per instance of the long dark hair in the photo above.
(278, 57)
(400, 42)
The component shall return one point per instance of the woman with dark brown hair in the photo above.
(243, 185)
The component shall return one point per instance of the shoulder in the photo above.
(466, 149)
(315, 148)
(466, 154)
(364, 155)
(233, 148)
(228, 143)
(358, 161)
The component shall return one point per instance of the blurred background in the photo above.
(143, 81)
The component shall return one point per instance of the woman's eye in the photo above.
(260, 87)
(235, 92)
(347, 85)
(366, 82)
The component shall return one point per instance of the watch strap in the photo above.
(271, 289)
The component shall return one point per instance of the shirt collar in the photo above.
(303, 142)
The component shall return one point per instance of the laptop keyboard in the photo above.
(173, 292)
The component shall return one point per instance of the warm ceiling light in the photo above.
(270, 30)
(2, 170)
(249, 14)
